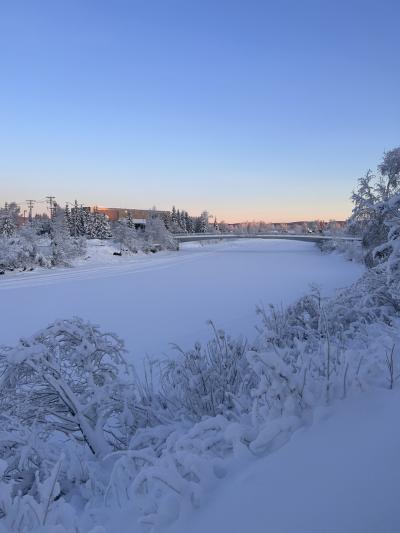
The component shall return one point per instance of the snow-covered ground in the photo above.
(154, 300)
(338, 474)
(341, 475)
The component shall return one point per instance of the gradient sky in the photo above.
(249, 109)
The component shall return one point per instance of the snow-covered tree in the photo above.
(175, 221)
(9, 219)
(130, 221)
(174, 217)
(68, 218)
(157, 234)
(63, 246)
(364, 199)
(182, 221)
(98, 226)
(373, 207)
(78, 220)
(390, 174)
(167, 220)
(126, 235)
(202, 223)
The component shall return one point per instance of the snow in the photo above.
(338, 473)
(341, 475)
(153, 300)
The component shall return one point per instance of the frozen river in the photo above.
(152, 301)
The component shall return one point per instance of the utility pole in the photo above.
(52, 205)
(30, 204)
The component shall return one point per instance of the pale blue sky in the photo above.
(250, 109)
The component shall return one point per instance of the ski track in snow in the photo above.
(37, 278)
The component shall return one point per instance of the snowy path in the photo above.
(342, 475)
(151, 301)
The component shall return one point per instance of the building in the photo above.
(139, 216)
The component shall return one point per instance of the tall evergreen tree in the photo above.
(174, 218)
(203, 222)
(183, 221)
(67, 216)
(129, 221)
(98, 226)
(189, 223)
(167, 220)
(9, 219)
(83, 220)
(74, 220)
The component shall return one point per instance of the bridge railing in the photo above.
(314, 237)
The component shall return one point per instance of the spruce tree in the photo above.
(183, 222)
(189, 223)
(167, 220)
(174, 218)
(74, 220)
(129, 221)
(9, 219)
(203, 222)
(67, 216)
(98, 226)
(83, 216)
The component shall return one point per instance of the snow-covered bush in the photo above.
(67, 399)
(69, 378)
(207, 382)
(351, 250)
(45, 243)
(22, 250)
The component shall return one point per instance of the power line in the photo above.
(52, 205)
(30, 204)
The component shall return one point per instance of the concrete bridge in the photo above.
(314, 237)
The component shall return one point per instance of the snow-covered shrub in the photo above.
(209, 381)
(72, 379)
(352, 250)
(31, 245)
(22, 250)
